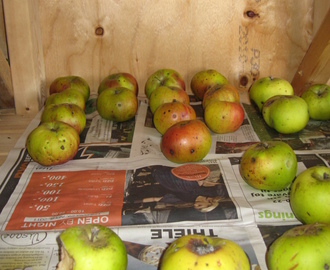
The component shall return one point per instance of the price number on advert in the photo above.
(41, 207)
(56, 177)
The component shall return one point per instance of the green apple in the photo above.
(163, 77)
(286, 114)
(52, 143)
(117, 104)
(303, 247)
(165, 94)
(171, 113)
(223, 116)
(199, 252)
(317, 98)
(186, 141)
(270, 165)
(310, 195)
(68, 113)
(74, 82)
(69, 95)
(267, 87)
(122, 79)
(91, 247)
(223, 92)
(205, 79)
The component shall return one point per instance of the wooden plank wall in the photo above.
(244, 40)
(6, 89)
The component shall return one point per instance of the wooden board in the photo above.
(244, 40)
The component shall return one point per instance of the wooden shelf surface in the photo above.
(11, 129)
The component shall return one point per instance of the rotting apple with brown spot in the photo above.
(163, 77)
(74, 82)
(201, 252)
(165, 94)
(121, 79)
(171, 113)
(205, 79)
(186, 141)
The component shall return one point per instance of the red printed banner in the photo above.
(57, 200)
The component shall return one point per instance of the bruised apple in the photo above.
(69, 95)
(186, 141)
(52, 143)
(270, 165)
(223, 116)
(205, 79)
(74, 82)
(267, 87)
(224, 92)
(165, 94)
(91, 247)
(197, 252)
(310, 195)
(122, 79)
(117, 104)
(71, 114)
(163, 77)
(170, 113)
(304, 247)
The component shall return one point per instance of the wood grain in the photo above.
(142, 36)
(11, 129)
(244, 40)
(315, 66)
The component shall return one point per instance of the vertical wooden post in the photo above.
(315, 66)
(25, 54)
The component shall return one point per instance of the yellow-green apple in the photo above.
(267, 87)
(203, 252)
(71, 114)
(269, 165)
(310, 195)
(117, 104)
(303, 247)
(122, 79)
(165, 94)
(223, 116)
(186, 141)
(317, 98)
(223, 92)
(75, 82)
(170, 113)
(163, 77)
(91, 247)
(205, 79)
(286, 114)
(69, 95)
(52, 143)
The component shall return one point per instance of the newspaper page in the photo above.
(119, 178)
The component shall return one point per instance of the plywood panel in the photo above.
(243, 40)
(25, 53)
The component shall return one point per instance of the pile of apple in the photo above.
(222, 111)
(286, 112)
(306, 246)
(56, 139)
(117, 97)
(184, 138)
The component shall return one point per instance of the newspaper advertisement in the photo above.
(119, 178)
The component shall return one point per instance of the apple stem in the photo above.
(265, 144)
(94, 232)
(271, 77)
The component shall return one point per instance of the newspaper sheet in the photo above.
(119, 178)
